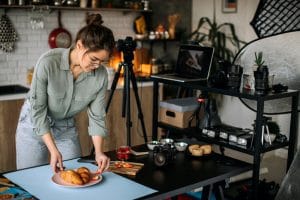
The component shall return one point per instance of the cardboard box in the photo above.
(177, 112)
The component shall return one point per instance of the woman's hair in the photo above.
(95, 36)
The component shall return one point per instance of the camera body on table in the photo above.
(164, 154)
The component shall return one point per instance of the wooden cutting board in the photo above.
(128, 168)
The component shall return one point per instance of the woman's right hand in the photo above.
(55, 156)
(56, 162)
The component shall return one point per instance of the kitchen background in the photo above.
(32, 42)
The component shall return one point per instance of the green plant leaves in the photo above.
(218, 36)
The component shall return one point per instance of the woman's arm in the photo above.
(101, 159)
(55, 156)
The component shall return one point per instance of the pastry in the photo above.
(193, 146)
(199, 150)
(70, 176)
(6, 196)
(85, 177)
(84, 174)
(206, 149)
(83, 169)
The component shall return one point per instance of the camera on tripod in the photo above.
(127, 46)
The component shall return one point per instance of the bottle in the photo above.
(154, 66)
(95, 3)
(21, 2)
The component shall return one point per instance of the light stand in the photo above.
(127, 46)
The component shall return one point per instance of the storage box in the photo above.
(177, 112)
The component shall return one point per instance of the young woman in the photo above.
(65, 82)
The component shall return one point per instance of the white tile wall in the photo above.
(32, 43)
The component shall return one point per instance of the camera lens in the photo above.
(160, 159)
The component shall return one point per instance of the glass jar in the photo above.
(154, 66)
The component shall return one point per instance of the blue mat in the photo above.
(37, 181)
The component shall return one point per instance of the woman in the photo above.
(65, 82)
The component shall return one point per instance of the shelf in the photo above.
(247, 94)
(193, 132)
(257, 148)
(157, 40)
(50, 7)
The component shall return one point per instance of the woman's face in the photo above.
(90, 60)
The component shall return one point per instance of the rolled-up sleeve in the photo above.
(96, 112)
(38, 99)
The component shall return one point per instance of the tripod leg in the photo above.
(127, 100)
(140, 114)
(125, 90)
(113, 86)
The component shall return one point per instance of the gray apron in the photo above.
(30, 148)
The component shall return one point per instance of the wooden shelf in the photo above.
(51, 7)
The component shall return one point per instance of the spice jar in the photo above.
(154, 66)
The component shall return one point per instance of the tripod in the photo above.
(128, 76)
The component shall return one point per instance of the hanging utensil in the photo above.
(59, 37)
(8, 35)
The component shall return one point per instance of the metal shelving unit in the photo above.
(257, 148)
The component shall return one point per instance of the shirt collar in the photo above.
(65, 63)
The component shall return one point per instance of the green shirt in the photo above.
(55, 93)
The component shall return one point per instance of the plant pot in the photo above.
(261, 79)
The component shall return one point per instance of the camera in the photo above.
(127, 46)
(163, 154)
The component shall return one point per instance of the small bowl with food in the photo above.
(166, 141)
(200, 150)
(153, 144)
(180, 146)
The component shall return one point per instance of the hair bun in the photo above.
(94, 19)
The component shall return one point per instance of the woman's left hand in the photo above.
(102, 161)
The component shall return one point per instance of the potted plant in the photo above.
(261, 74)
(218, 36)
(259, 61)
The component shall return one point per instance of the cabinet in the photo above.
(257, 148)
(9, 116)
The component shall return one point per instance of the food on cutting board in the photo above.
(199, 150)
(79, 176)
(6, 196)
(123, 164)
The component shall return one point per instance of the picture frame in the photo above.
(229, 6)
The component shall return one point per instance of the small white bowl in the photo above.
(180, 146)
(166, 141)
(153, 144)
(272, 137)
(140, 36)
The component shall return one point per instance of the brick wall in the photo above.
(32, 43)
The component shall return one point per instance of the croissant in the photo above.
(71, 176)
(84, 174)
(79, 177)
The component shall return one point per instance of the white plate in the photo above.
(59, 181)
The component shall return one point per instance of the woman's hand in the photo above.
(102, 161)
(55, 156)
(56, 161)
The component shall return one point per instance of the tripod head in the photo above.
(127, 46)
